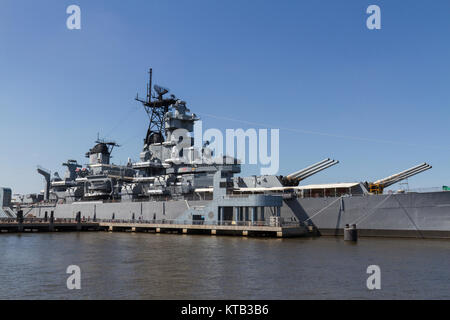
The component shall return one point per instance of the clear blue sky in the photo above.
(381, 97)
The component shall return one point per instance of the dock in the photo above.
(256, 229)
(211, 228)
(46, 225)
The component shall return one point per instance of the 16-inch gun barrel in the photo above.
(311, 167)
(379, 185)
(296, 177)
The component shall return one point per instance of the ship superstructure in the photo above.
(164, 170)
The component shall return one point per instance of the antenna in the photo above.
(109, 143)
(156, 111)
(149, 87)
(160, 90)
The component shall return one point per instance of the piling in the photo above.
(350, 233)
(20, 220)
(78, 219)
(51, 225)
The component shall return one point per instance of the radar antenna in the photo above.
(156, 107)
(109, 144)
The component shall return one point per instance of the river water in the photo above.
(165, 266)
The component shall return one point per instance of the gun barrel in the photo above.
(311, 167)
(396, 176)
(317, 170)
(311, 170)
(407, 175)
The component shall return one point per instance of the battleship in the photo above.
(164, 186)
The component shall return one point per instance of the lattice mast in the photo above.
(156, 106)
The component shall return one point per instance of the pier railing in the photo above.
(162, 222)
(42, 220)
(202, 222)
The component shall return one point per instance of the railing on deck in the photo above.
(424, 190)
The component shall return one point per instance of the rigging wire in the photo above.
(122, 120)
(321, 210)
(326, 134)
(373, 210)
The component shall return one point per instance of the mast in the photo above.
(156, 110)
(149, 87)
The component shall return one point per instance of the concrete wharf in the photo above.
(262, 229)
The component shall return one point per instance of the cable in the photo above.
(361, 219)
(325, 133)
(122, 120)
(315, 214)
(410, 219)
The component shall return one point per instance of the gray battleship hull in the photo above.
(417, 215)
